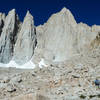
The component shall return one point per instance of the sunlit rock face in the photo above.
(62, 38)
(8, 36)
(59, 36)
(64, 53)
(85, 36)
(26, 41)
(58, 40)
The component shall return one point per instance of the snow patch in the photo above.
(13, 64)
(42, 63)
(28, 65)
(2, 65)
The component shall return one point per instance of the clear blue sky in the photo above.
(87, 11)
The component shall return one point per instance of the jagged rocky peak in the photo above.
(64, 10)
(64, 14)
(2, 16)
(26, 42)
(59, 35)
(8, 36)
(59, 39)
(67, 12)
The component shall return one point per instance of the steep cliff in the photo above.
(8, 36)
(26, 41)
(59, 39)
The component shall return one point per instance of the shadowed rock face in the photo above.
(2, 18)
(8, 37)
(26, 41)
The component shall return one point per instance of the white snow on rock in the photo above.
(28, 65)
(42, 63)
(13, 64)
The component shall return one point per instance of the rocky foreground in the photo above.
(70, 80)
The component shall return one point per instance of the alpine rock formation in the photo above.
(26, 41)
(59, 36)
(8, 36)
(62, 37)
(64, 54)
(59, 39)
(2, 18)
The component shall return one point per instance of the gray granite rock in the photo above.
(62, 28)
(10, 88)
(61, 37)
(2, 20)
(26, 42)
(16, 79)
(57, 40)
(8, 36)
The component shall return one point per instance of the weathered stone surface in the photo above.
(8, 36)
(62, 38)
(95, 28)
(25, 97)
(62, 28)
(6, 79)
(30, 97)
(16, 79)
(26, 42)
(10, 88)
(85, 36)
(57, 40)
(2, 19)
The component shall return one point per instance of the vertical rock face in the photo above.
(2, 18)
(85, 36)
(96, 42)
(57, 40)
(8, 37)
(62, 38)
(38, 52)
(95, 28)
(59, 36)
(26, 42)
